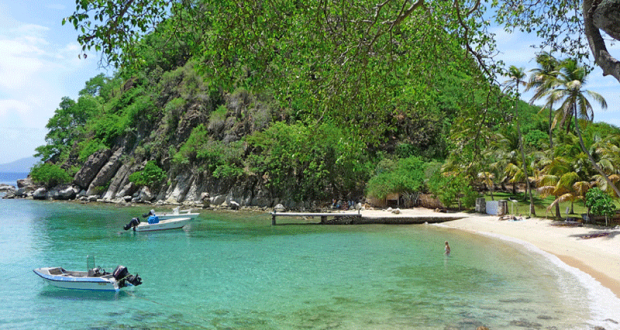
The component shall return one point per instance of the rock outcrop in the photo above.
(40, 193)
(106, 173)
(95, 162)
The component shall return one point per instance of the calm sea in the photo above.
(11, 178)
(236, 271)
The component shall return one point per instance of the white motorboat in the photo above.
(176, 223)
(94, 279)
(175, 214)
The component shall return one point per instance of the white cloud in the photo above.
(12, 107)
(38, 66)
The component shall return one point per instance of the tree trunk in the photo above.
(550, 133)
(527, 180)
(605, 61)
(557, 211)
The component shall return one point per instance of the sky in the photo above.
(39, 65)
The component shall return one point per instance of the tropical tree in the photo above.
(516, 79)
(559, 180)
(542, 79)
(487, 179)
(575, 105)
(600, 203)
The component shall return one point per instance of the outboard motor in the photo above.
(121, 274)
(132, 224)
(134, 280)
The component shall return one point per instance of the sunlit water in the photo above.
(236, 271)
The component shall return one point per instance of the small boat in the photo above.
(176, 213)
(151, 225)
(94, 279)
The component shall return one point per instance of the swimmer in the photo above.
(447, 249)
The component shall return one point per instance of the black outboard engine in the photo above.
(134, 280)
(132, 224)
(121, 274)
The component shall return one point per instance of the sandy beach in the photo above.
(597, 256)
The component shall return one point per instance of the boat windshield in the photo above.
(90, 261)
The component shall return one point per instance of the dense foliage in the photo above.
(600, 203)
(150, 176)
(315, 100)
(49, 175)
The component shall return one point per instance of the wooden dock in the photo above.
(356, 217)
(311, 214)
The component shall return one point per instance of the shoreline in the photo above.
(598, 257)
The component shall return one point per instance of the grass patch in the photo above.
(540, 205)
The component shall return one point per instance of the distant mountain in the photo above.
(19, 166)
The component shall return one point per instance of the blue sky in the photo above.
(39, 65)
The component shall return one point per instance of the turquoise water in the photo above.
(236, 271)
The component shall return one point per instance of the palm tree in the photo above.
(569, 87)
(516, 79)
(558, 178)
(542, 80)
(487, 179)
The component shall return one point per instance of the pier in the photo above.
(370, 217)
(323, 216)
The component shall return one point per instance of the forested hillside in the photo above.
(283, 107)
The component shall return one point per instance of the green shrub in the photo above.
(150, 176)
(89, 147)
(600, 203)
(407, 175)
(49, 175)
(450, 189)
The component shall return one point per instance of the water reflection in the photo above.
(81, 295)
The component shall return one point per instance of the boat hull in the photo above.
(57, 277)
(163, 224)
(169, 216)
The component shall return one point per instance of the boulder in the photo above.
(106, 173)
(92, 198)
(95, 162)
(234, 205)
(40, 193)
(66, 193)
(218, 200)
(7, 188)
(9, 195)
(22, 183)
(179, 188)
(279, 208)
(145, 195)
(120, 181)
(127, 190)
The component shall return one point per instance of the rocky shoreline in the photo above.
(26, 189)
(104, 177)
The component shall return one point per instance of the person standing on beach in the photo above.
(447, 249)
